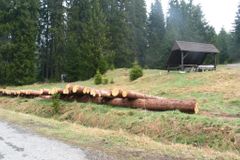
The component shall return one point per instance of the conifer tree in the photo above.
(87, 43)
(137, 20)
(156, 31)
(18, 47)
(117, 22)
(223, 40)
(236, 52)
(51, 39)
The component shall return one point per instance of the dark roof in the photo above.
(194, 47)
(194, 53)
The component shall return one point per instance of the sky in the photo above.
(218, 13)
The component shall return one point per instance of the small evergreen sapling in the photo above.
(98, 78)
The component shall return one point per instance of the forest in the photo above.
(42, 39)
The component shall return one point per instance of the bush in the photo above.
(104, 80)
(135, 72)
(98, 78)
(56, 103)
(112, 81)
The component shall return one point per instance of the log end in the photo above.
(65, 91)
(115, 92)
(196, 109)
(75, 88)
(124, 94)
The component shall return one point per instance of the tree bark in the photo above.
(187, 106)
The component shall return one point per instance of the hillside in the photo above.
(216, 127)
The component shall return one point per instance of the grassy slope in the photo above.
(216, 126)
(119, 144)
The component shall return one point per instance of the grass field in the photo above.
(216, 127)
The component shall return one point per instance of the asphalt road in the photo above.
(18, 144)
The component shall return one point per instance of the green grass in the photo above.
(119, 144)
(173, 126)
(217, 93)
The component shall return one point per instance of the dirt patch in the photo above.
(221, 115)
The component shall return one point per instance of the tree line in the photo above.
(42, 39)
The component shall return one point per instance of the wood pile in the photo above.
(115, 97)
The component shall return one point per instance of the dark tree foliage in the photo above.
(51, 39)
(137, 20)
(79, 37)
(186, 22)
(156, 31)
(223, 44)
(236, 50)
(87, 42)
(119, 32)
(18, 32)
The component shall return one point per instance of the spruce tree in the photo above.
(117, 22)
(6, 47)
(18, 49)
(87, 43)
(137, 20)
(223, 45)
(156, 31)
(236, 54)
(51, 39)
(186, 22)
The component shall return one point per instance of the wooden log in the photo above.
(56, 91)
(68, 89)
(95, 92)
(45, 96)
(78, 89)
(136, 95)
(86, 90)
(116, 92)
(22, 92)
(45, 91)
(36, 93)
(106, 93)
(59, 91)
(187, 106)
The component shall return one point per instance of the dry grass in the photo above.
(216, 126)
(118, 141)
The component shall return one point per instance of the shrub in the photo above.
(98, 78)
(135, 72)
(112, 81)
(104, 80)
(112, 67)
(56, 103)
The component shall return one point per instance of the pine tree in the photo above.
(156, 31)
(19, 31)
(137, 20)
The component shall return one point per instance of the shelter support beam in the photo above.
(215, 61)
(182, 61)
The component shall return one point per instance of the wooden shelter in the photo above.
(185, 55)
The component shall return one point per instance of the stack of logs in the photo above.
(115, 97)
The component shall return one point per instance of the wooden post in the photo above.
(215, 61)
(182, 61)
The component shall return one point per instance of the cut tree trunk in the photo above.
(78, 89)
(136, 95)
(187, 106)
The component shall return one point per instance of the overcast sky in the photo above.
(219, 13)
